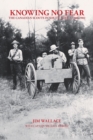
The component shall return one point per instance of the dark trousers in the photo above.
(38, 85)
(54, 87)
(87, 72)
(16, 70)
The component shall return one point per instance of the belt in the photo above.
(16, 61)
(82, 58)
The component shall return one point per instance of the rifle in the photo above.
(14, 56)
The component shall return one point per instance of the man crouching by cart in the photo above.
(15, 56)
(39, 59)
(54, 50)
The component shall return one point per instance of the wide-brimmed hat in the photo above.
(53, 47)
(72, 43)
(15, 42)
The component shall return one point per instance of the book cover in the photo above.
(55, 100)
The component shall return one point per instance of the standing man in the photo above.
(15, 56)
(81, 57)
(55, 50)
(71, 51)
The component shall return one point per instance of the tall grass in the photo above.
(75, 110)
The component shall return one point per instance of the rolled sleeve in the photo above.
(64, 59)
(86, 50)
(70, 52)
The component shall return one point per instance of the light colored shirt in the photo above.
(71, 52)
(18, 56)
(62, 55)
(39, 59)
(79, 56)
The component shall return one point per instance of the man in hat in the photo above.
(71, 51)
(15, 56)
(81, 58)
(54, 50)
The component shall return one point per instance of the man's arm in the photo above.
(20, 57)
(75, 56)
(70, 52)
(9, 56)
(64, 59)
(86, 53)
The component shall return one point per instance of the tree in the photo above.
(65, 31)
(7, 34)
(88, 37)
(68, 30)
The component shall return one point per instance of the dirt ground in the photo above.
(17, 111)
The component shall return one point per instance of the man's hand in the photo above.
(87, 55)
(71, 52)
(9, 58)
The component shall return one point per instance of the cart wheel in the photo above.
(31, 81)
(75, 77)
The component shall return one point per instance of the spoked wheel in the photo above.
(31, 81)
(73, 83)
(75, 77)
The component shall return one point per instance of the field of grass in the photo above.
(17, 109)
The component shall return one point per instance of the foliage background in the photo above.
(61, 31)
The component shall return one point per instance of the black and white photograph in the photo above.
(46, 70)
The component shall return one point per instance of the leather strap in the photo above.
(14, 54)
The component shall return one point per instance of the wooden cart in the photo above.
(52, 71)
